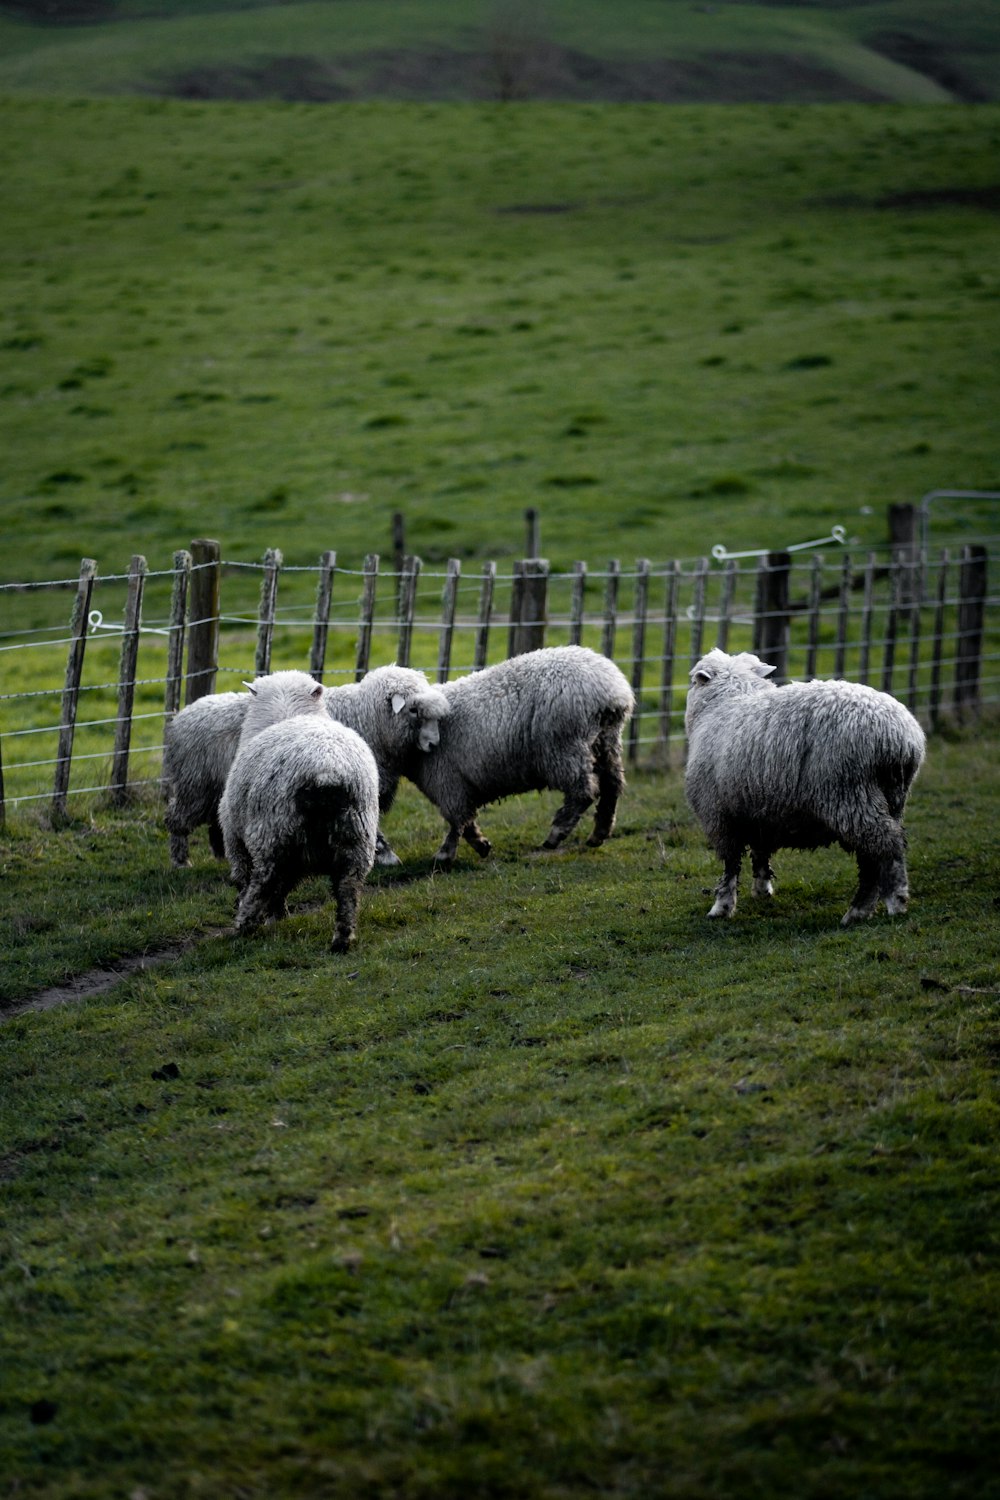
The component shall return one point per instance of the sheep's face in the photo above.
(421, 712)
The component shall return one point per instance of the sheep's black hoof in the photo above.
(343, 942)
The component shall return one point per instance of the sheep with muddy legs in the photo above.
(394, 709)
(551, 718)
(799, 767)
(301, 799)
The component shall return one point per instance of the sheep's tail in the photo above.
(330, 815)
(895, 778)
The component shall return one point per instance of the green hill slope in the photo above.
(912, 51)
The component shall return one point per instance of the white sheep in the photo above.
(394, 709)
(199, 746)
(551, 718)
(301, 799)
(799, 767)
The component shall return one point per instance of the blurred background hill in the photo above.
(690, 51)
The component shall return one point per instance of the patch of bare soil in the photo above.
(98, 981)
(546, 72)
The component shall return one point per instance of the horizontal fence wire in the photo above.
(904, 620)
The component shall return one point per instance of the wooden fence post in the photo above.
(409, 573)
(367, 615)
(203, 623)
(527, 627)
(891, 624)
(266, 610)
(118, 788)
(176, 632)
(911, 691)
(485, 612)
(532, 532)
(843, 616)
(669, 652)
(321, 619)
(969, 645)
(576, 603)
(698, 607)
(610, 609)
(867, 611)
(448, 599)
(771, 614)
(639, 607)
(903, 549)
(516, 603)
(938, 646)
(815, 594)
(726, 605)
(71, 686)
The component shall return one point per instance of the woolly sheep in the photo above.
(550, 718)
(393, 708)
(799, 767)
(301, 799)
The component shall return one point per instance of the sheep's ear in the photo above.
(761, 669)
(250, 688)
(398, 702)
(701, 675)
(317, 691)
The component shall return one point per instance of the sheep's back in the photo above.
(274, 768)
(785, 755)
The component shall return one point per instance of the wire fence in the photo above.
(84, 699)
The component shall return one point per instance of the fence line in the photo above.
(924, 628)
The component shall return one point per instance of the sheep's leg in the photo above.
(178, 828)
(384, 852)
(260, 900)
(240, 864)
(879, 845)
(866, 895)
(347, 894)
(474, 835)
(179, 853)
(610, 783)
(763, 875)
(725, 892)
(579, 795)
(894, 887)
(445, 857)
(215, 839)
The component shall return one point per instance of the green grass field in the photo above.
(663, 328)
(551, 1188)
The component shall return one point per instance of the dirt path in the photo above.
(99, 981)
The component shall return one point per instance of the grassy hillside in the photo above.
(279, 324)
(671, 50)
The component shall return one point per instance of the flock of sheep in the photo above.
(292, 778)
